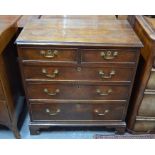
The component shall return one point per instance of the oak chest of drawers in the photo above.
(141, 116)
(78, 73)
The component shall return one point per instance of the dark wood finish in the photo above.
(120, 130)
(6, 31)
(4, 117)
(78, 73)
(77, 111)
(123, 56)
(141, 110)
(71, 81)
(70, 55)
(2, 96)
(76, 91)
(10, 86)
(113, 33)
(35, 128)
(62, 55)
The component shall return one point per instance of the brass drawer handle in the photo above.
(109, 91)
(57, 91)
(52, 75)
(49, 53)
(52, 113)
(103, 76)
(109, 55)
(101, 114)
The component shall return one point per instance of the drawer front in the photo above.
(73, 91)
(109, 74)
(4, 115)
(144, 126)
(60, 55)
(76, 111)
(1, 92)
(147, 107)
(105, 56)
(151, 81)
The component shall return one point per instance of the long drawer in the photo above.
(49, 54)
(1, 92)
(76, 111)
(102, 74)
(108, 56)
(77, 91)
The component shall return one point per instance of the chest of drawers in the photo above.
(141, 116)
(78, 73)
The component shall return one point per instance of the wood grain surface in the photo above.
(79, 32)
(85, 17)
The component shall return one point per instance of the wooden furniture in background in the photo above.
(10, 87)
(78, 72)
(10, 18)
(141, 115)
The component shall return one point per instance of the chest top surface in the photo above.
(25, 19)
(92, 17)
(79, 32)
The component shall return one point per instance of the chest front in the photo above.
(77, 81)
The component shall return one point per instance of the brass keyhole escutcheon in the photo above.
(79, 69)
(78, 105)
(109, 53)
(49, 52)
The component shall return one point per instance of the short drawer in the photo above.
(77, 91)
(1, 92)
(4, 115)
(104, 74)
(76, 111)
(49, 54)
(151, 81)
(147, 107)
(109, 56)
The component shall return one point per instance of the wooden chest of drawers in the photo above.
(78, 73)
(141, 116)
